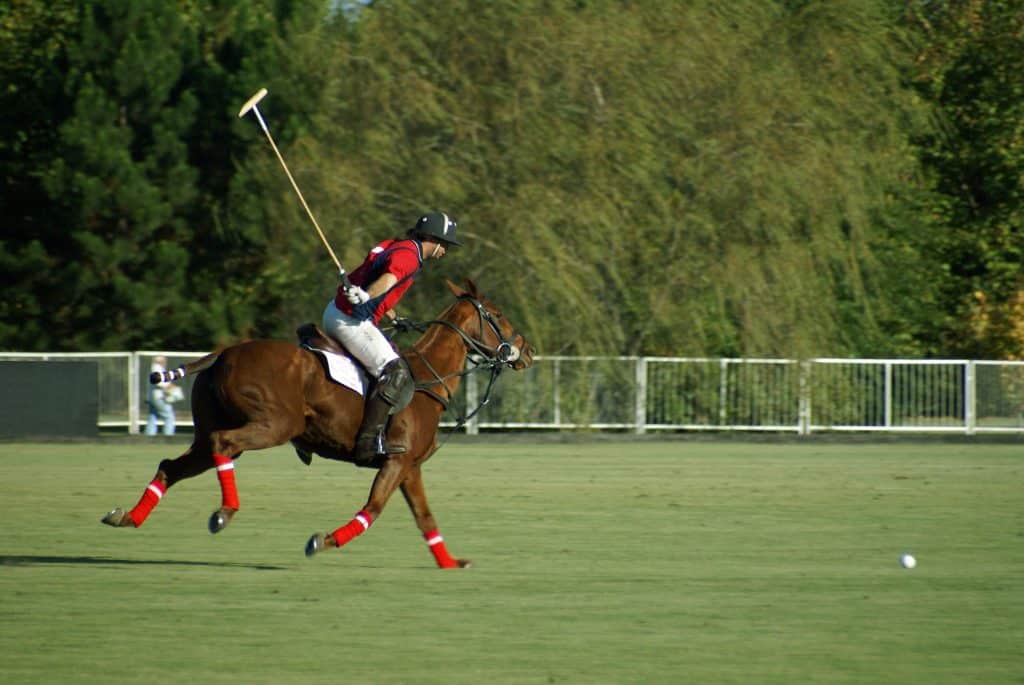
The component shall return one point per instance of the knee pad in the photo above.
(396, 385)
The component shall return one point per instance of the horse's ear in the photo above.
(456, 290)
(471, 287)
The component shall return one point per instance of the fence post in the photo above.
(888, 394)
(557, 393)
(133, 393)
(640, 415)
(970, 399)
(473, 425)
(723, 392)
(804, 401)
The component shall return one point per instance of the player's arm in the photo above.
(386, 281)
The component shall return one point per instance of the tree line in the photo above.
(754, 178)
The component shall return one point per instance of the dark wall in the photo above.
(48, 399)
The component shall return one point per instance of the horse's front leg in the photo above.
(412, 489)
(384, 485)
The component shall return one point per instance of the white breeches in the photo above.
(361, 338)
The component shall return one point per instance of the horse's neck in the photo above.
(444, 351)
(442, 348)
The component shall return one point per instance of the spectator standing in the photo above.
(160, 399)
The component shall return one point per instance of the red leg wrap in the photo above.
(226, 476)
(440, 552)
(353, 528)
(150, 498)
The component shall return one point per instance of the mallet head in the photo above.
(252, 102)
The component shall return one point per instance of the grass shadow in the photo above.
(33, 560)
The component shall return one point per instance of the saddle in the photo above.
(341, 367)
(311, 336)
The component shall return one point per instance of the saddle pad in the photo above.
(342, 369)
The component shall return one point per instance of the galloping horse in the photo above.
(265, 393)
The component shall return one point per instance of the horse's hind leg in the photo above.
(217, 450)
(416, 497)
(228, 445)
(170, 471)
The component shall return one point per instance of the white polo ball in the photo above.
(908, 561)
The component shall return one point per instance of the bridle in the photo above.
(505, 353)
(482, 357)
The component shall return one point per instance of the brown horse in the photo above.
(264, 393)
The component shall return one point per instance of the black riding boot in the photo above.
(370, 440)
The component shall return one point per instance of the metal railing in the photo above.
(651, 394)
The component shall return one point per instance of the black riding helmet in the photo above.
(437, 227)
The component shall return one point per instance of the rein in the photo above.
(484, 358)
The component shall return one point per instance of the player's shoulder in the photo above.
(403, 248)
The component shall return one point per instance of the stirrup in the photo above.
(382, 449)
(370, 449)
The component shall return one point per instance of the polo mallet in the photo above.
(251, 106)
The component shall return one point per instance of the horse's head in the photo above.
(486, 330)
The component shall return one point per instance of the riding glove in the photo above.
(356, 295)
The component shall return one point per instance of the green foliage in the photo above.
(710, 182)
(752, 178)
(32, 38)
(127, 195)
(972, 68)
(100, 245)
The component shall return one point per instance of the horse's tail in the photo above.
(184, 370)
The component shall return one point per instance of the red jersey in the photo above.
(402, 258)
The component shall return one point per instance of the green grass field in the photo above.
(613, 562)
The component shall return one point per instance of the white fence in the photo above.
(650, 394)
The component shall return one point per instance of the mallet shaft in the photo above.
(252, 105)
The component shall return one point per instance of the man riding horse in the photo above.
(263, 393)
(352, 316)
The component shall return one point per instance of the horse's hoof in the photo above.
(317, 543)
(465, 563)
(218, 521)
(117, 518)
